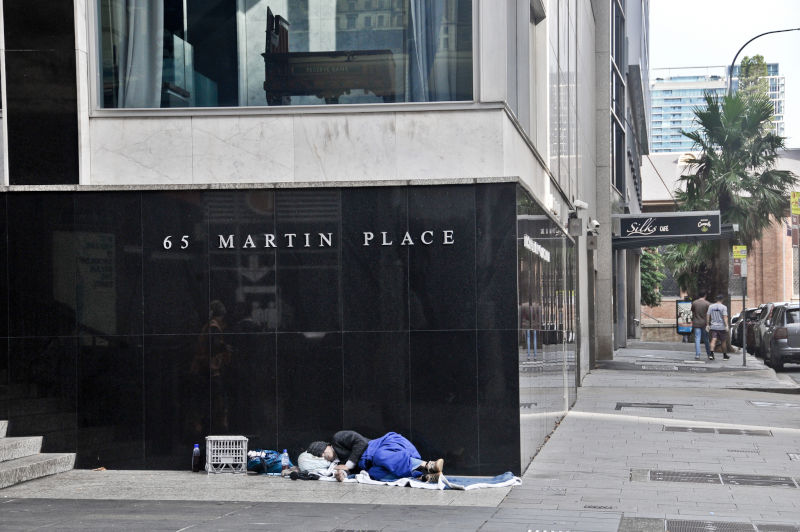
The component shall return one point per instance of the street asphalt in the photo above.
(656, 441)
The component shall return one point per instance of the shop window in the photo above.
(228, 53)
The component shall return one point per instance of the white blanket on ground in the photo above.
(457, 483)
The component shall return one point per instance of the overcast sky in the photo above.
(693, 33)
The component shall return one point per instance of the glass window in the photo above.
(229, 53)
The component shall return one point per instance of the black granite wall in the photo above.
(41, 92)
(109, 352)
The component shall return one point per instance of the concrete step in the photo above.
(3, 428)
(32, 467)
(13, 448)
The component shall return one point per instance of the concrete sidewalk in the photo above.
(656, 441)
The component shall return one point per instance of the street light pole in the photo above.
(730, 70)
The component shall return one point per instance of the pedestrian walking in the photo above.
(717, 319)
(699, 312)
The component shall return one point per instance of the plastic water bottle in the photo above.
(196, 458)
(284, 463)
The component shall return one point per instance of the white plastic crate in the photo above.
(226, 454)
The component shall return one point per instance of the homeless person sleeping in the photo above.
(386, 459)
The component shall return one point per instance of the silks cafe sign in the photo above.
(693, 223)
(445, 237)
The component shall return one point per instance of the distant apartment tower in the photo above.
(777, 93)
(675, 93)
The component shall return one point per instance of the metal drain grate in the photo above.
(757, 480)
(728, 479)
(662, 406)
(597, 507)
(778, 405)
(711, 430)
(756, 451)
(658, 367)
(685, 476)
(762, 527)
(757, 432)
(705, 430)
(679, 525)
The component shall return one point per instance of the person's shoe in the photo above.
(711, 356)
(435, 466)
(431, 478)
(697, 357)
(725, 357)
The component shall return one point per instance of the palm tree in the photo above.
(735, 173)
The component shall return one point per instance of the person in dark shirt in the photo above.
(699, 312)
(386, 458)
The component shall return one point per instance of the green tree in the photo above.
(689, 263)
(753, 76)
(734, 172)
(652, 273)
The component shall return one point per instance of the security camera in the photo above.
(580, 204)
(594, 224)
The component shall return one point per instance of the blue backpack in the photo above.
(265, 462)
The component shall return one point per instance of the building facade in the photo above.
(622, 107)
(280, 218)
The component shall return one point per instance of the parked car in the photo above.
(759, 328)
(736, 330)
(750, 315)
(782, 337)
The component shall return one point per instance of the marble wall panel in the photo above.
(242, 149)
(452, 144)
(344, 147)
(141, 151)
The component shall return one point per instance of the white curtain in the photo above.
(137, 32)
(431, 78)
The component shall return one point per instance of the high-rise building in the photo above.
(776, 89)
(676, 92)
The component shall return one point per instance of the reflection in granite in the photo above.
(139, 322)
(109, 402)
(546, 337)
(442, 277)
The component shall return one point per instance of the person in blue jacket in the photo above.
(386, 458)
